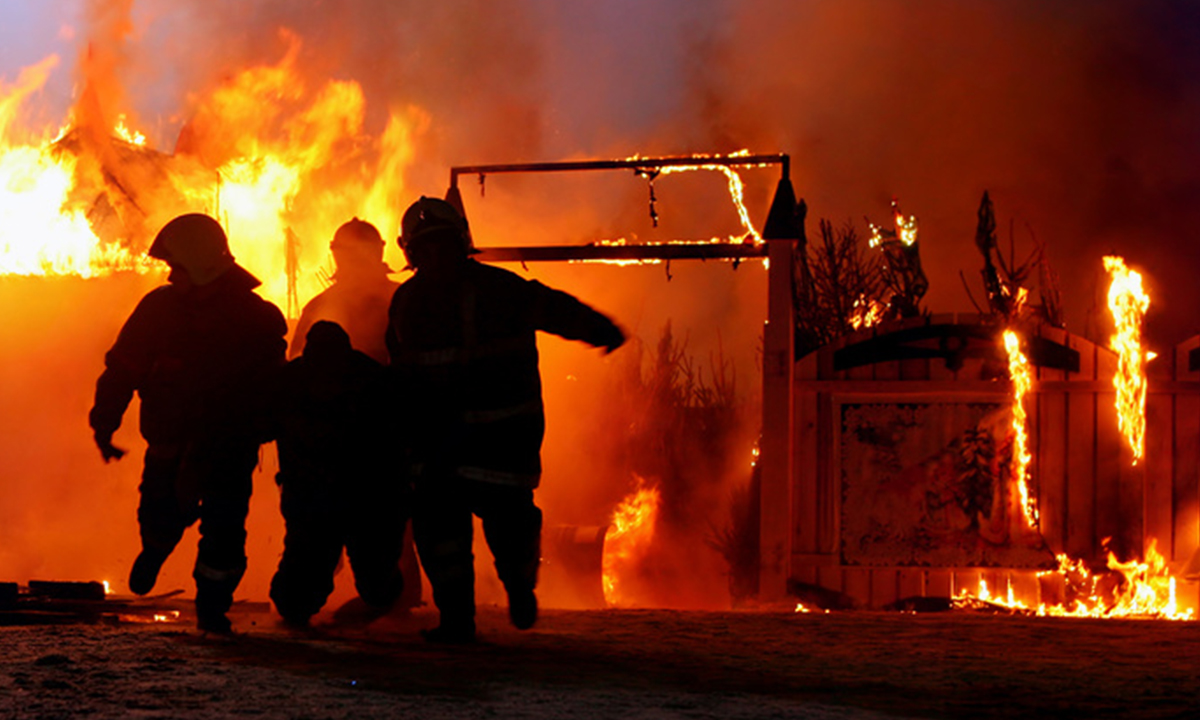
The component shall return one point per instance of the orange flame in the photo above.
(1021, 373)
(866, 313)
(736, 186)
(628, 541)
(905, 232)
(1146, 589)
(1128, 303)
(280, 164)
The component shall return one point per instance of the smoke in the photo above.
(1079, 117)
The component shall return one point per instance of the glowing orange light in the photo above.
(1146, 589)
(1021, 373)
(279, 163)
(1128, 303)
(866, 313)
(628, 540)
(905, 232)
(736, 186)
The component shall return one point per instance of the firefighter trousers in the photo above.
(319, 525)
(443, 529)
(209, 482)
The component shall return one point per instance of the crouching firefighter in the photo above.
(336, 489)
(197, 351)
(462, 339)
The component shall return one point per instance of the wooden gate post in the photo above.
(782, 231)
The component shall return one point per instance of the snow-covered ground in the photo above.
(610, 664)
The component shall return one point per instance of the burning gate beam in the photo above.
(635, 164)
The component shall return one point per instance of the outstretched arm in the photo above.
(560, 313)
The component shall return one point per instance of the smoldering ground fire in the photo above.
(280, 150)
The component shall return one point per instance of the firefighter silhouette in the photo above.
(359, 295)
(462, 342)
(358, 301)
(329, 410)
(197, 351)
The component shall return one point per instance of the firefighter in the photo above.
(197, 351)
(359, 296)
(358, 302)
(330, 409)
(462, 341)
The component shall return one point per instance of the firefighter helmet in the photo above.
(196, 244)
(356, 232)
(433, 220)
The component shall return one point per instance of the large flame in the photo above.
(1021, 373)
(628, 541)
(1128, 303)
(279, 163)
(1143, 589)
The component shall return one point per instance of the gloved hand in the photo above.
(108, 451)
(615, 339)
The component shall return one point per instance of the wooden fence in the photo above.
(1089, 493)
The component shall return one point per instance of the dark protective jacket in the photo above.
(329, 411)
(464, 349)
(197, 359)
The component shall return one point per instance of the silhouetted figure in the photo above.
(330, 415)
(358, 301)
(462, 338)
(197, 351)
(359, 296)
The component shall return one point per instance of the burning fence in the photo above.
(917, 480)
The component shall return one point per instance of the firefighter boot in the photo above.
(522, 607)
(144, 572)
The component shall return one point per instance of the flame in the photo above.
(39, 234)
(628, 540)
(1128, 303)
(1146, 589)
(1021, 373)
(905, 232)
(122, 131)
(107, 588)
(866, 313)
(737, 188)
(279, 161)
